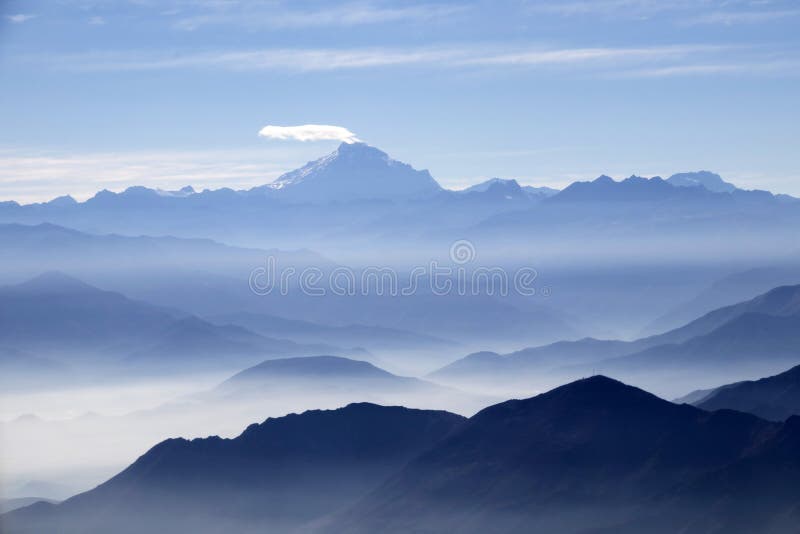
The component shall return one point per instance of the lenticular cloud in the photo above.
(309, 132)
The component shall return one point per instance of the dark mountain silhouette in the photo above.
(775, 398)
(594, 456)
(591, 456)
(281, 474)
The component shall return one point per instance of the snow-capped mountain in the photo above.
(709, 180)
(354, 171)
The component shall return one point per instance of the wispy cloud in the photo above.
(590, 60)
(688, 12)
(20, 18)
(779, 67)
(730, 18)
(309, 132)
(33, 175)
(283, 15)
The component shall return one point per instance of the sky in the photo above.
(165, 93)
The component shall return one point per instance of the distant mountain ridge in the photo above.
(60, 318)
(763, 332)
(775, 398)
(359, 194)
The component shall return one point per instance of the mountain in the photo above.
(7, 505)
(335, 381)
(592, 456)
(633, 189)
(354, 171)
(48, 247)
(354, 335)
(54, 314)
(539, 192)
(533, 367)
(708, 180)
(758, 335)
(279, 475)
(319, 374)
(197, 342)
(57, 320)
(484, 186)
(775, 398)
(728, 290)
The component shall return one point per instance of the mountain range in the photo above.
(358, 195)
(756, 336)
(285, 472)
(55, 325)
(592, 456)
(775, 397)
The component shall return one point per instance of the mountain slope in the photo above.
(322, 381)
(355, 171)
(592, 454)
(59, 320)
(761, 334)
(276, 475)
(775, 398)
(708, 180)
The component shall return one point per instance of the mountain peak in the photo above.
(709, 180)
(354, 171)
(53, 282)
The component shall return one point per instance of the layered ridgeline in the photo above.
(592, 456)
(775, 397)
(322, 381)
(55, 327)
(211, 280)
(279, 475)
(359, 193)
(751, 338)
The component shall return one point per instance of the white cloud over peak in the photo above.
(309, 132)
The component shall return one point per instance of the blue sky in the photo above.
(102, 93)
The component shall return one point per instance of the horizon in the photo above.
(196, 190)
(548, 93)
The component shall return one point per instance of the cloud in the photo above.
(19, 18)
(595, 60)
(97, 21)
(730, 18)
(278, 17)
(32, 175)
(309, 132)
